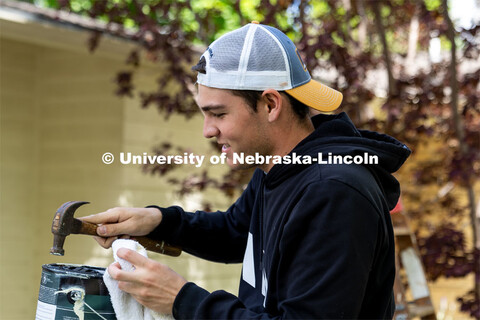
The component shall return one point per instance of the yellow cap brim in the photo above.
(317, 96)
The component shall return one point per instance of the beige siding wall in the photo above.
(58, 117)
(19, 176)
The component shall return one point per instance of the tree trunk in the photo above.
(347, 5)
(459, 131)
(362, 27)
(412, 41)
(392, 88)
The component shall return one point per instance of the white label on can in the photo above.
(45, 311)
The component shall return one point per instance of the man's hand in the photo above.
(124, 222)
(152, 284)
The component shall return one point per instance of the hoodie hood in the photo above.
(337, 135)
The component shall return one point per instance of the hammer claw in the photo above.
(62, 224)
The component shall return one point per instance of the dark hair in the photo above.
(252, 96)
(300, 109)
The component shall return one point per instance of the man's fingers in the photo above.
(110, 222)
(131, 221)
(105, 242)
(109, 216)
(116, 272)
(115, 229)
(133, 257)
(113, 268)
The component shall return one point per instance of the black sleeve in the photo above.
(215, 236)
(326, 252)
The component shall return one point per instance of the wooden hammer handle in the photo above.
(159, 246)
(152, 245)
(86, 228)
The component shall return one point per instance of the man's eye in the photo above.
(218, 115)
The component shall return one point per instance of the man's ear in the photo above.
(273, 103)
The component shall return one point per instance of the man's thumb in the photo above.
(106, 231)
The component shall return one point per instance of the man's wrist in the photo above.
(171, 218)
(156, 215)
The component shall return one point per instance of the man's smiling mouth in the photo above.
(225, 147)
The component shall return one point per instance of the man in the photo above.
(315, 238)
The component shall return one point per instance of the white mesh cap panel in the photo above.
(226, 53)
(266, 54)
(249, 58)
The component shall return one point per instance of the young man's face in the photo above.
(234, 124)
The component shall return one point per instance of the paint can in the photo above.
(69, 292)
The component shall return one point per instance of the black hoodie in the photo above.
(316, 240)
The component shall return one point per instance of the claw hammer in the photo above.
(65, 224)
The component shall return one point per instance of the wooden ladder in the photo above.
(409, 266)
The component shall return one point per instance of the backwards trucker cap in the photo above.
(259, 57)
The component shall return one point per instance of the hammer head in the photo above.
(63, 224)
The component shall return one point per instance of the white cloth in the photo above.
(125, 306)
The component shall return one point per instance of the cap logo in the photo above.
(201, 65)
(210, 51)
(301, 60)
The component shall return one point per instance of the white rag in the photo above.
(125, 306)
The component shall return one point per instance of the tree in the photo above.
(428, 105)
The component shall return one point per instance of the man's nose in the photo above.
(209, 130)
